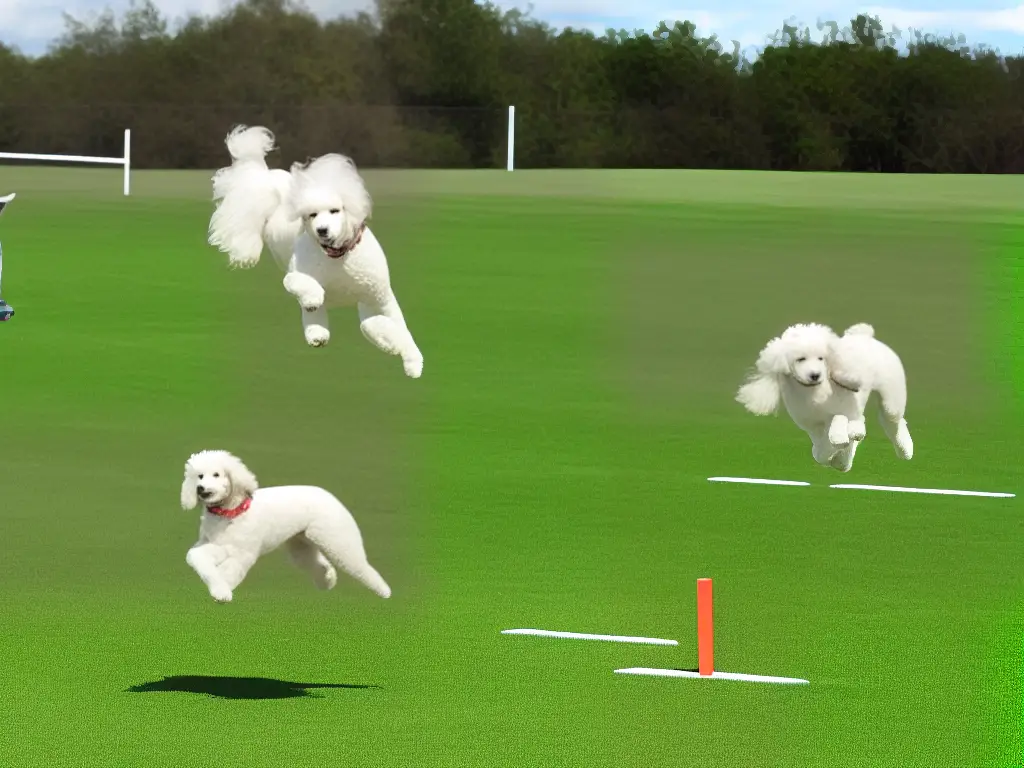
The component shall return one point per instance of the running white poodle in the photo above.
(313, 220)
(825, 381)
(242, 522)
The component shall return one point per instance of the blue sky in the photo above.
(31, 24)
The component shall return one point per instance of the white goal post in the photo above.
(511, 137)
(125, 161)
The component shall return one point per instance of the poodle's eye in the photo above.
(335, 210)
(821, 358)
(216, 474)
(200, 477)
(801, 359)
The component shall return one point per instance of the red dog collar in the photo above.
(230, 513)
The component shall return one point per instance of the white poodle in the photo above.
(825, 381)
(313, 220)
(243, 522)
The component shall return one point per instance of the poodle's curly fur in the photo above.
(313, 219)
(242, 521)
(825, 381)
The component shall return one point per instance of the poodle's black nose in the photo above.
(815, 376)
(322, 231)
(201, 491)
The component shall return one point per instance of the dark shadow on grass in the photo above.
(238, 687)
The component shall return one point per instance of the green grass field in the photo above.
(584, 334)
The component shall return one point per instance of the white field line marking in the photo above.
(712, 676)
(584, 636)
(755, 481)
(938, 491)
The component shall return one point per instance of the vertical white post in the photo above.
(127, 160)
(4, 202)
(511, 136)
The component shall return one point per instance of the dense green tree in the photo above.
(427, 83)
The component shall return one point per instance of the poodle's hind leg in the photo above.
(315, 327)
(822, 450)
(341, 543)
(843, 459)
(305, 555)
(205, 560)
(385, 328)
(892, 414)
(898, 433)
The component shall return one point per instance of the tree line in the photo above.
(426, 83)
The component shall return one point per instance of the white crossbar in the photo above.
(125, 161)
(63, 158)
(756, 481)
(716, 675)
(588, 636)
(934, 491)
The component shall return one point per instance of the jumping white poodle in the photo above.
(243, 522)
(313, 220)
(825, 381)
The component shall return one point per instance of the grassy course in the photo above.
(584, 334)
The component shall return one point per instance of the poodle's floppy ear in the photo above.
(772, 360)
(761, 394)
(243, 481)
(188, 489)
(838, 371)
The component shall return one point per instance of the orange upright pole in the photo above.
(705, 629)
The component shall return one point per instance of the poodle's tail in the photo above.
(860, 329)
(245, 196)
(249, 144)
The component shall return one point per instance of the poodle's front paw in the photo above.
(839, 432)
(317, 335)
(220, 593)
(312, 301)
(308, 292)
(413, 367)
(857, 430)
(839, 438)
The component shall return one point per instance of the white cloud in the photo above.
(335, 8)
(598, 9)
(31, 25)
(1002, 20)
(597, 27)
(28, 19)
(728, 26)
